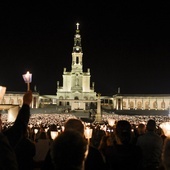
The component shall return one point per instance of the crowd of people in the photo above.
(132, 142)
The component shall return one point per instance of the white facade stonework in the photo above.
(16, 98)
(137, 102)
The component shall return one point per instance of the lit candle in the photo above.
(35, 131)
(62, 127)
(46, 129)
(54, 134)
(88, 132)
(111, 121)
(166, 128)
(27, 78)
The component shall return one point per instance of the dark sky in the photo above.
(125, 44)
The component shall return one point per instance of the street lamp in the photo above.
(28, 79)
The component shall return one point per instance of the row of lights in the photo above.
(88, 131)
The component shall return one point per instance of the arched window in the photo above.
(76, 98)
(85, 98)
(139, 105)
(11, 101)
(77, 60)
(124, 105)
(3, 101)
(147, 105)
(91, 98)
(155, 104)
(60, 102)
(34, 102)
(20, 102)
(131, 105)
(163, 104)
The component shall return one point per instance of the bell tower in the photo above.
(77, 55)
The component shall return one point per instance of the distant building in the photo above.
(16, 98)
(133, 103)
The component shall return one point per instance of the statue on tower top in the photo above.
(77, 24)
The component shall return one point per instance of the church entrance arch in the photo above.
(76, 98)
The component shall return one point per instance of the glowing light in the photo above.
(88, 132)
(111, 121)
(53, 134)
(28, 79)
(35, 131)
(166, 128)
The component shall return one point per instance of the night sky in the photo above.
(125, 44)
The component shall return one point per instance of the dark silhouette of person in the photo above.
(123, 154)
(25, 151)
(16, 132)
(42, 146)
(94, 158)
(151, 144)
(11, 137)
(8, 160)
(68, 151)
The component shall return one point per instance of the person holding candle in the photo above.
(16, 132)
(11, 137)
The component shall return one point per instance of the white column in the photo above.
(98, 115)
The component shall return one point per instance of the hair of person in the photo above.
(151, 125)
(123, 131)
(74, 124)
(42, 135)
(141, 128)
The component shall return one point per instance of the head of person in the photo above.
(68, 151)
(74, 124)
(141, 128)
(151, 125)
(42, 135)
(123, 132)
